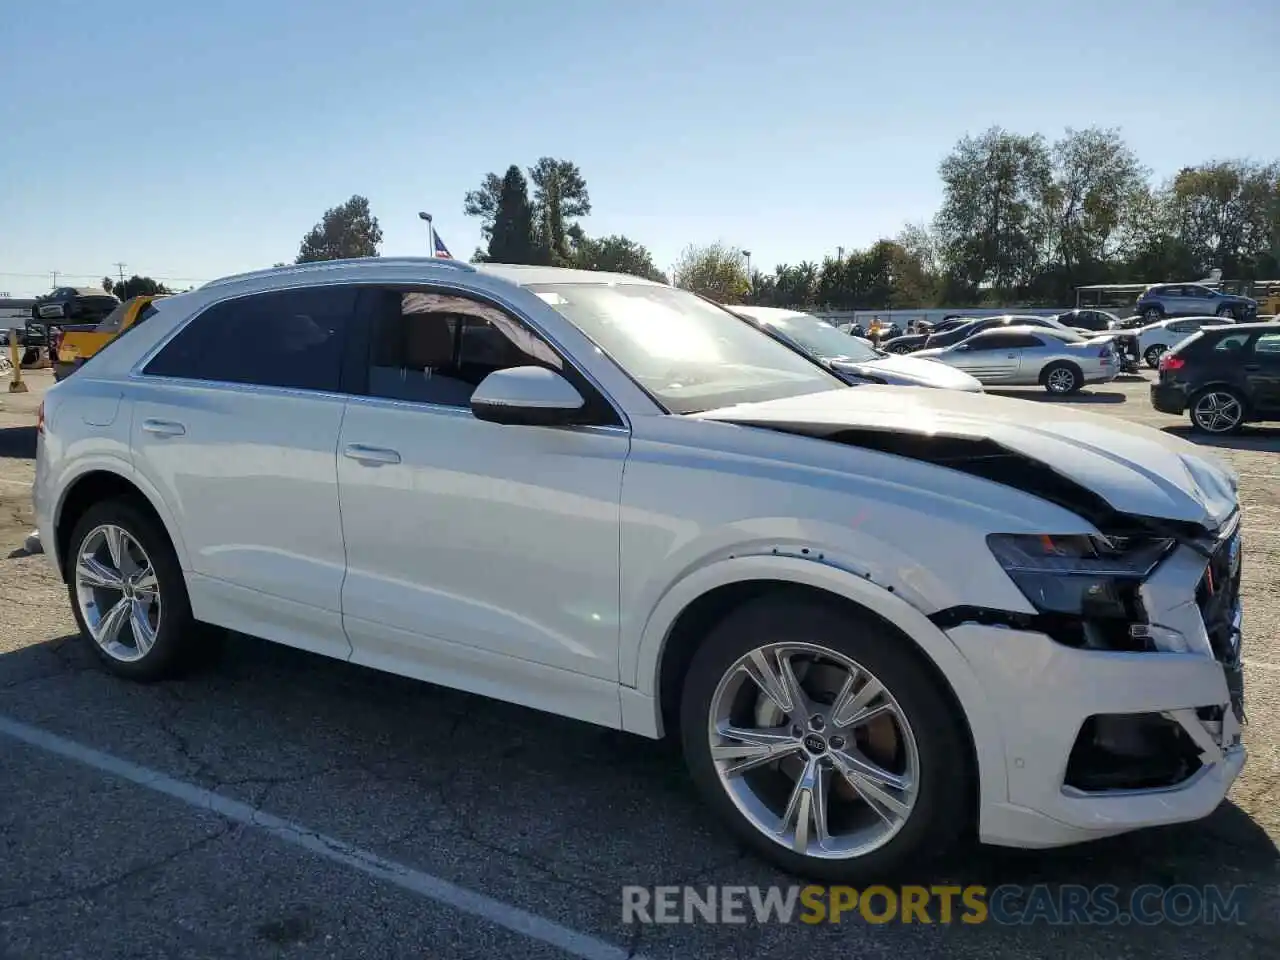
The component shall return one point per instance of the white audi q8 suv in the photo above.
(874, 617)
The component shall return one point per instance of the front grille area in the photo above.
(1218, 596)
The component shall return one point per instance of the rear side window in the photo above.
(1232, 343)
(287, 338)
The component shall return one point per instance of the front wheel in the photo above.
(1227, 313)
(1217, 410)
(1153, 314)
(1153, 355)
(128, 593)
(1061, 379)
(822, 740)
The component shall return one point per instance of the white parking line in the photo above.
(415, 881)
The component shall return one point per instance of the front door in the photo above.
(992, 357)
(474, 547)
(1262, 374)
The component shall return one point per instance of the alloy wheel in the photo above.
(1061, 380)
(118, 593)
(813, 750)
(1217, 412)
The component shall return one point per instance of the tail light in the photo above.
(1170, 362)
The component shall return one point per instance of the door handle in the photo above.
(1253, 366)
(370, 455)
(164, 428)
(1012, 356)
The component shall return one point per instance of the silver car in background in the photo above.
(853, 359)
(1059, 360)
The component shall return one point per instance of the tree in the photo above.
(136, 286)
(107, 284)
(717, 271)
(991, 226)
(559, 196)
(483, 203)
(344, 232)
(1226, 213)
(1097, 187)
(616, 254)
(511, 228)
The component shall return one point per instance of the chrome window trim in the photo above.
(136, 372)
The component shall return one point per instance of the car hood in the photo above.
(907, 371)
(1134, 470)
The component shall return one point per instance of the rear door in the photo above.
(236, 422)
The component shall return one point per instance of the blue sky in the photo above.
(193, 140)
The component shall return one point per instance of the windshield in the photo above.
(822, 339)
(688, 354)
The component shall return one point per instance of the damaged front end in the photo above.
(1141, 587)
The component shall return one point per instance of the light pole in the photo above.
(750, 283)
(431, 232)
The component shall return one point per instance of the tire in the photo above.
(1217, 410)
(1227, 313)
(30, 355)
(166, 608)
(1061, 378)
(900, 348)
(1153, 314)
(930, 759)
(1153, 355)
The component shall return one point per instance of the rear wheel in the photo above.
(1152, 314)
(128, 593)
(1153, 355)
(822, 740)
(1217, 410)
(1061, 378)
(899, 348)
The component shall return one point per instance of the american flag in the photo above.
(441, 250)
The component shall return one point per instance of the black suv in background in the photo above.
(1099, 321)
(1223, 377)
(67, 305)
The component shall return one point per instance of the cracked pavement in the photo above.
(545, 814)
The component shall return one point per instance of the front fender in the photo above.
(936, 645)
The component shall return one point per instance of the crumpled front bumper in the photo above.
(1044, 692)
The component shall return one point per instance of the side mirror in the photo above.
(527, 396)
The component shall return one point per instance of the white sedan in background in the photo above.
(853, 359)
(1155, 339)
(1059, 360)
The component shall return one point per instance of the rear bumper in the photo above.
(1168, 398)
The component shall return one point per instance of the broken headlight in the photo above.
(1089, 576)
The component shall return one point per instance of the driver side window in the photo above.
(435, 348)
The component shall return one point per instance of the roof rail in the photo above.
(320, 266)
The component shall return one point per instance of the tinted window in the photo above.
(1232, 343)
(1000, 341)
(437, 347)
(1268, 343)
(287, 338)
(1199, 292)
